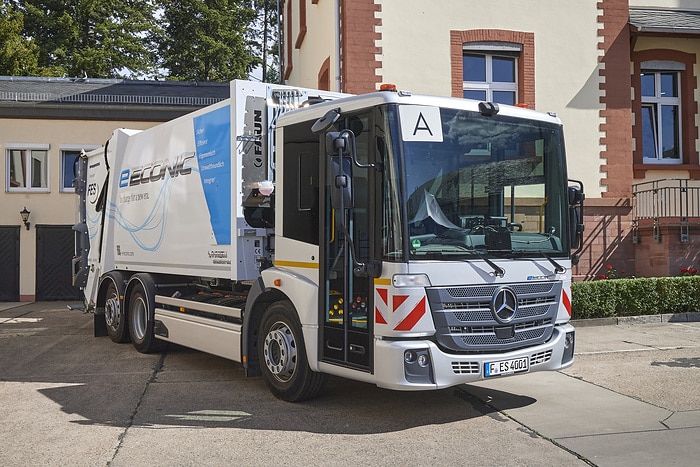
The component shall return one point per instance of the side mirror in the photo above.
(339, 142)
(341, 184)
(576, 225)
(325, 122)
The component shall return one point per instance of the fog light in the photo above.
(568, 354)
(417, 366)
(569, 340)
(409, 356)
(423, 360)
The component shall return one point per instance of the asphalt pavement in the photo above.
(631, 398)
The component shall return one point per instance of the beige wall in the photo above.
(54, 207)
(319, 44)
(680, 4)
(416, 56)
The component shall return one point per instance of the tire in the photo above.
(140, 316)
(282, 356)
(115, 316)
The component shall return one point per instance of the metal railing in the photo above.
(670, 201)
(108, 98)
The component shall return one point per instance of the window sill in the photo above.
(641, 169)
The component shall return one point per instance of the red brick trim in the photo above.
(302, 24)
(324, 75)
(314, 2)
(526, 62)
(617, 103)
(689, 110)
(358, 48)
(288, 39)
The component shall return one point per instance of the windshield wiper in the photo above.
(558, 268)
(497, 270)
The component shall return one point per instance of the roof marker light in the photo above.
(387, 87)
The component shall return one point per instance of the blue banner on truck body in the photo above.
(212, 134)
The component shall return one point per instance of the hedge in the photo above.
(631, 297)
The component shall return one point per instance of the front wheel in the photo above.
(283, 361)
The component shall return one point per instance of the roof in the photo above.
(665, 21)
(105, 98)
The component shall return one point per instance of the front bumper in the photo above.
(447, 370)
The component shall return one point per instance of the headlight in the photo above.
(411, 280)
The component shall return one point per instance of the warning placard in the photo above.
(420, 123)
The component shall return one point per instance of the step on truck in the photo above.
(407, 241)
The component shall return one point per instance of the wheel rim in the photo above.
(280, 352)
(138, 312)
(112, 311)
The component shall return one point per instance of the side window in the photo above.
(661, 128)
(27, 168)
(68, 159)
(300, 184)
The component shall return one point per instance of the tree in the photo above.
(97, 38)
(205, 39)
(18, 56)
(264, 39)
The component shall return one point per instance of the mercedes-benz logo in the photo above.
(504, 304)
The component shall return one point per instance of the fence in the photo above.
(668, 202)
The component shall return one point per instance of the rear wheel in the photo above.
(282, 355)
(141, 317)
(114, 313)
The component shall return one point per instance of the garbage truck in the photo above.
(407, 241)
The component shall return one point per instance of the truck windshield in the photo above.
(476, 185)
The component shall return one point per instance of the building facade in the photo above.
(44, 124)
(621, 74)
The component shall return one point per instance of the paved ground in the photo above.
(631, 398)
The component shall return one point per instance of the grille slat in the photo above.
(465, 368)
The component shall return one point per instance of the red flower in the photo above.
(684, 269)
(608, 267)
(602, 276)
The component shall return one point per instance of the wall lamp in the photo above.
(25, 217)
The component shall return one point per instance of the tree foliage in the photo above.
(205, 40)
(99, 38)
(263, 37)
(19, 56)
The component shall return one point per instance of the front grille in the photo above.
(465, 322)
(465, 368)
(540, 357)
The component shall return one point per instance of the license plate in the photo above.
(507, 367)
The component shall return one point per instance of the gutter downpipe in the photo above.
(337, 46)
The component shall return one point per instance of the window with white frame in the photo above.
(27, 167)
(69, 154)
(660, 119)
(489, 71)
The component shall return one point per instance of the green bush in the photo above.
(631, 297)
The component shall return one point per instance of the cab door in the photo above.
(346, 241)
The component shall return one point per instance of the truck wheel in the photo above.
(140, 314)
(282, 355)
(114, 313)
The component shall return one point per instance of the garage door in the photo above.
(9, 263)
(54, 252)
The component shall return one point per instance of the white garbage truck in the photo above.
(407, 241)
